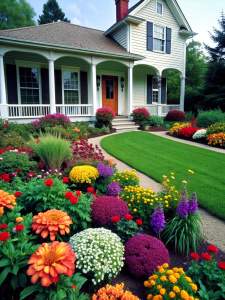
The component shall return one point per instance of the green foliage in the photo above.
(14, 14)
(52, 13)
(189, 116)
(126, 178)
(12, 139)
(208, 118)
(155, 121)
(52, 149)
(173, 87)
(12, 161)
(65, 133)
(94, 130)
(216, 128)
(105, 129)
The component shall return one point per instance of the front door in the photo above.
(110, 92)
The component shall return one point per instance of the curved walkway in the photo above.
(214, 228)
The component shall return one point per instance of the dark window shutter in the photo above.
(84, 87)
(168, 40)
(163, 91)
(149, 36)
(149, 89)
(45, 86)
(58, 87)
(11, 84)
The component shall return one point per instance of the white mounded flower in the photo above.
(199, 134)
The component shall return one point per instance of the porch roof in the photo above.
(68, 35)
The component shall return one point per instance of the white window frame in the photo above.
(69, 69)
(159, 2)
(155, 90)
(160, 39)
(27, 64)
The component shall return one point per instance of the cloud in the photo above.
(92, 7)
(75, 21)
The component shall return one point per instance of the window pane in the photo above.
(155, 96)
(28, 77)
(158, 45)
(154, 83)
(109, 89)
(70, 80)
(29, 96)
(159, 32)
(71, 97)
(159, 8)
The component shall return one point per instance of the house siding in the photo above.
(121, 36)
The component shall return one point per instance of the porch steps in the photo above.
(123, 124)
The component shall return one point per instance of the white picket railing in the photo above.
(28, 110)
(75, 110)
(169, 107)
(164, 108)
(152, 109)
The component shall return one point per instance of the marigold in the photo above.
(6, 200)
(188, 279)
(115, 292)
(159, 287)
(162, 291)
(184, 295)
(172, 294)
(157, 297)
(149, 297)
(49, 261)
(172, 279)
(50, 222)
(163, 278)
(83, 174)
(194, 287)
(176, 289)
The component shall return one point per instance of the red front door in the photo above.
(110, 92)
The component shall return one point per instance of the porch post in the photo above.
(93, 88)
(130, 90)
(4, 106)
(52, 86)
(182, 92)
(159, 95)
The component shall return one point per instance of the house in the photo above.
(66, 68)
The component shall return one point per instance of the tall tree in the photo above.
(52, 13)
(218, 52)
(16, 13)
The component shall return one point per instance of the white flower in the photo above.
(201, 133)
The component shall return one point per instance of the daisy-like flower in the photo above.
(50, 222)
(6, 200)
(49, 261)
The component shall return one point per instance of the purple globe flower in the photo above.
(193, 204)
(114, 189)
(105, 171)
(158, 219)
(183, 206)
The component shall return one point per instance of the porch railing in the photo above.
(75, 110)
(153, 109)
(164, 108)
(168, 107)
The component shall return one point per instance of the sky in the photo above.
(202, 15)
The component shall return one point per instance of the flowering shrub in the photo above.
(187, 131)
(114, 292)
(105, 207)
(104, 117)
(83, 174)
(99, 253)
(199, 134)
(114, 189)
(176, 127)
(216, 139)
(105, 171)
(216, 128)
(126, 178)
(143, 253)
(140, 114)
(6, 201)
(51, 120)
(170, 283)
(175, 115)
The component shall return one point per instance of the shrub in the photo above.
(82, 150)
(52, 150)
(104, 116)
(170, 283)
(51, 120)
(65, 133)
(199, 134)
(126, 178)
(105, 207)
(208, 118)
(216, 128)
(216, 139)
(189, 116)
(155, 121)
(99, 253)
(113, 292)
(12, 139)
(94, 130)
(187, 132)
(143, 253)
(176, 127)
(11, 162)
(175, 115)
(140, 114)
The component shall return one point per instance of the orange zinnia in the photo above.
(51, 222)
(6, 200)
(49, 261)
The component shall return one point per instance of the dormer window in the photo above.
(159, 8)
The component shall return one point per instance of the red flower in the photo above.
(139, 222)
(3, 226)
(55, 279)
(31, 174)
(68, 195)
(4, 236)
(37, 141)
(206, 256)
(17, 194)
(73, 199)
(221, 265)
(194, 256)
(19, 227)
(6, 177)
(94, 194)
(6, 124)
(115, 219)
(78, 193)
(49, 182)
(65, 179)
(90, 189)
(128, 217)
(18, 171)
(73, 287)
(212, 249)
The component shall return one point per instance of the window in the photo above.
(154, 90)
(159, 8)
(71, 87)
(29, 85)
(158, 38)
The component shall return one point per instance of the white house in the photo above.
(62, 67)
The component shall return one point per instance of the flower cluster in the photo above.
(199, 134)
(140, 114)
(104, 170)
(126, 178)
(158, 219)
(82, 150)
(105, 114)
(27, 151)
(187, 131)
(176, 127)
(114, 189)
(170, 284)
(6, 200)
(143, 253)
(83, 174)
(99, 253)
(51, 120)
(216, 139)
(186, 206)
(114, 292)
(175, 115)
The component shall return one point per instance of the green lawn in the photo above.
(156, 156)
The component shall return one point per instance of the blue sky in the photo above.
(202, 15)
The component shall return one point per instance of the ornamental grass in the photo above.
(6, 200)
(83, 174)
(114, 292)
(126, 178)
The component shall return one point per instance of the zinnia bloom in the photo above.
(139, 222)
(194, 256)
(65, 179)
(212, 249)
(128, 217)
(49, 261)
(4, 236)
(73, 199)
(206, 256)
(90, 189)
(6, 178)
(17, 194)
(6, 200)
(78, 193)
(115, 219)
(68, 195)
(19, 227)
(50, 222)
(221, 265)
(3, 226)
(49, 182)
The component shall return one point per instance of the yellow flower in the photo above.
(170, 272)
(146, 283)
(184, 295)
(134, 209)
(176, 289)
(162, 291)
(191, 172)
(176, 275)
(164, 176)
(184, 181)
(163, 278)
(157, 297)
(188, 279)
(161, 271)
(172, 279)
(19, 220)
(191, 298)
(149, 297)
(172, 173)
(194, 287)
(172, 294)
(165, 265)
(153, 277)
(172, 177)
(175, 269)
(83, 174)
(159, 287)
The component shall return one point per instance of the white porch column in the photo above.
(130, 90)
(182, 92)
(93, 88)
(4, 106)
(52, 86)
(159, 95)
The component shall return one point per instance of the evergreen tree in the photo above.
(218, 53)
(52, 13)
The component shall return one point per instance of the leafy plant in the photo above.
(105, 129)
(12, 139)
(126, 178)
(189, 115)
(216, 128)
(175, 115)
(210, 117)
(104, 116)
(140, 114)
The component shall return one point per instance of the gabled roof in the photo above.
(67, 35)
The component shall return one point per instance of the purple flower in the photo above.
(183, 206)
(114, 189)
(193, 204)
(158, 219)
(104, 171)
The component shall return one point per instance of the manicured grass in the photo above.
(156, 156)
